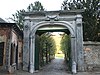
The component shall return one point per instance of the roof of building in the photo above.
(2, 21)
(11, 25)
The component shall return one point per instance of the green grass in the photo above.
(59, 55)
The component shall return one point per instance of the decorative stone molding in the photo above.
(52, 18)
(78, 20)
(26, 27)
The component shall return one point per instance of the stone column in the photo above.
(32, 55)
(79, 43)
(26, 45)
(8, 53)
(73, 50)
(73, 54)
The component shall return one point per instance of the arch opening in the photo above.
(62, 24)
(48, 47)
(42, 28)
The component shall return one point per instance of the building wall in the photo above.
(92, 56)
(20, 46)
(16, 40)
(14, 50)
(3, 38)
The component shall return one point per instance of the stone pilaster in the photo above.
(26, 45)
(8, 53)
(73, 50)
(8, 49)
(32, 55)
(79, 43)
(73, 54)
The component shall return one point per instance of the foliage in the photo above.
(36, 7)
(91, 16)
(47, 47)
(46, 39)
(66, 49)
(19, 19)
(65, 44)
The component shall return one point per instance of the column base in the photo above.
(74, 67)
(25, 68)
(31, 70)
(81, 68)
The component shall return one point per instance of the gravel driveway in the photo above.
(56, 67)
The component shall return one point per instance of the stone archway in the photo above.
(32, 34)
(34, 20)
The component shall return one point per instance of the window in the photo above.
(1, 52)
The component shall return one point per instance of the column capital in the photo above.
(78, 19)
(78, 16)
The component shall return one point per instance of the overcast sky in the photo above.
(9, 7)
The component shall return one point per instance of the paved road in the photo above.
(56, 67)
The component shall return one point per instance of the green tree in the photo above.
(91, 16)
(65, 45)
(19, 19)
(66, 49)
(37, 6)
(47, 48)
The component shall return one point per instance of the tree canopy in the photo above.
(47, 48)
(18, 18)
(36, 7)
(66, 48)
(91, 16)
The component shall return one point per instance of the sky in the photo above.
(9, 7)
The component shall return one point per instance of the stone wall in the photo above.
(92, 56)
